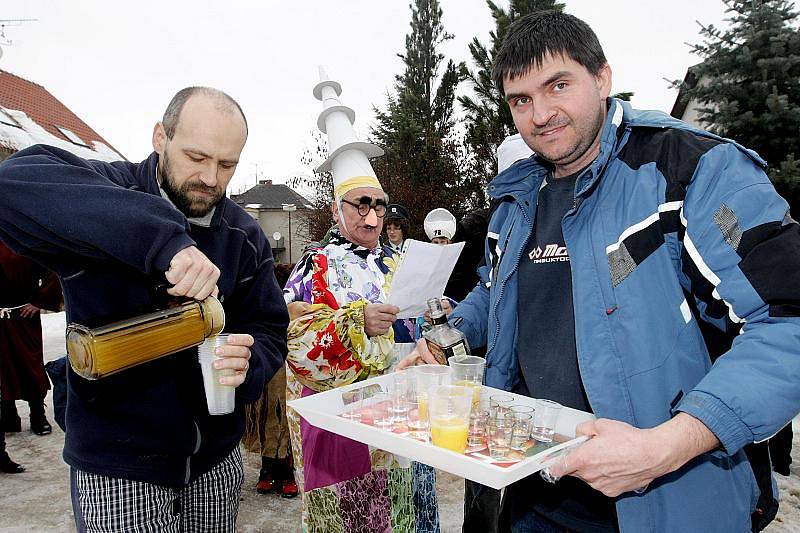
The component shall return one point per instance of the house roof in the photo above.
(45, 119)
(267, 195)
(682, 100)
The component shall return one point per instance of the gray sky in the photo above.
(117, 64)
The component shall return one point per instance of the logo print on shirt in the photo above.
(552, 253)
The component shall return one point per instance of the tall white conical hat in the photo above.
(440, 223)
(348, 157)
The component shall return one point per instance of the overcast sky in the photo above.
(117, 64)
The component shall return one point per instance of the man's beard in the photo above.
(586, 135)
(191, 207)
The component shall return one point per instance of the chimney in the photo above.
(265, 182)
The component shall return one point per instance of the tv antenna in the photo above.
(5, 40)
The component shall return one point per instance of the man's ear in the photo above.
(335, 211)
(603, 78)
(159, 138)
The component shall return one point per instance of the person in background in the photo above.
(267, 431)
(341, 332)
(471, 230)
(25, 289)
(396, 223)
(144, 453)
(440, 226)
(7, 465)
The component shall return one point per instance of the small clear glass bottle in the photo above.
(443, 341)
(99, 352)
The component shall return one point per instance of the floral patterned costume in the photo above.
(346, 485)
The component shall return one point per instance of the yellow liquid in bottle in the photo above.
(450, 433)
(476, 392)
(122, 350)
(109, 349)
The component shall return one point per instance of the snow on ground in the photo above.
(38, 500)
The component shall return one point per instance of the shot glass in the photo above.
(499, 405)
(500, 432)
(478, 420)
(449, 415)
(399, 395)
(353, 400)
(379, 409)
(220, 398)
(418, 425)
(544, 420)
(522, 429)
(517, 408)
(468, 372)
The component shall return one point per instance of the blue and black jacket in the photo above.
(109, 235)
(673, 231)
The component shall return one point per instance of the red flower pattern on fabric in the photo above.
(319, 284)
(330, 347)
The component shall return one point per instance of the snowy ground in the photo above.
(38, 500)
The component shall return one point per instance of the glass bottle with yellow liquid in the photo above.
(99, 352)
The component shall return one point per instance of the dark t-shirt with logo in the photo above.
(547, 356)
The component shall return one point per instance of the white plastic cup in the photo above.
(221, 399)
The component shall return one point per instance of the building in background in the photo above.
(283, 215)
(686, 108)
(30, 115)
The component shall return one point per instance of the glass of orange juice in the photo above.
(468, 372)
(449, 407)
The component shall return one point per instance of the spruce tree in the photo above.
(421, 166)
(488, 117)
(748, 85)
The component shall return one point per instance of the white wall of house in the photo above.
(272, 220)
(691, 114)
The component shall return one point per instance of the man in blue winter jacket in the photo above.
(143, 451)
(621, 258)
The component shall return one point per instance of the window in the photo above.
(69, 134)
(7, 119)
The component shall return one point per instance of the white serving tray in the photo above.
(323, 409)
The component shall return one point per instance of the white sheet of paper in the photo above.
(423, 274)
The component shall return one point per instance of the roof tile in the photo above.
(44, 108)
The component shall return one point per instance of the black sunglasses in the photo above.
(365, 203)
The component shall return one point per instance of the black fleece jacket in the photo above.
(110, 236)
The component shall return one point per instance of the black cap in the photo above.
(396, 211)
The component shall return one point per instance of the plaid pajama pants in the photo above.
(209, 503)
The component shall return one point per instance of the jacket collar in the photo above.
(146, 174)
(521, 177)
(337, 239)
